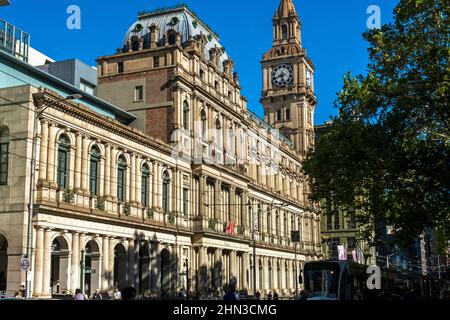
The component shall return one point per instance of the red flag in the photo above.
(231, 228)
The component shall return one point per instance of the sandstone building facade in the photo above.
(177, 188)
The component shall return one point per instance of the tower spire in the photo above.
(286, 9)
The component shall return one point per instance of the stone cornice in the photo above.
(87, 115)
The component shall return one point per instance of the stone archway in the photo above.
(165, 271)
(92, 261)
(144, 268)
(59, 266)
(3, 263)
(120, 266)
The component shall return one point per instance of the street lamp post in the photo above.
(186, 264)
(32, 185)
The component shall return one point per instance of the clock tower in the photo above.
(288, 81)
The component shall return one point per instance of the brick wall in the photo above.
(159, 123)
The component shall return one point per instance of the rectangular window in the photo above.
(351, 224)
(351, 244)
(337, 224)
(333, 248)
(120, 68)
(156, 62)
(87, 87)
(139, 93)
(4, 155)
(329, 222)
(279, 115)
(186, 203)
(288, 114)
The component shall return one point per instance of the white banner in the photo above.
(342, 253)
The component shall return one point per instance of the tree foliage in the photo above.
(386, 158)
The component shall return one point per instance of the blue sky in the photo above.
(332, 34)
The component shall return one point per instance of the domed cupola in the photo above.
(170, 26)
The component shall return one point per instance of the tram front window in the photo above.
(323, 283)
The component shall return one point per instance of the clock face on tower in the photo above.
(282, 75)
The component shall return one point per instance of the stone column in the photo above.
(107, 180)
(245, 271)
(46, 278)
(203, 195)
(43, 151)
(233, 264)
(39, 262)
(155, 186)
(232, 205)
(202, 268)
(111, 257)
(217, 206)
(218, 267)
(266, 273)
(159, 184)
(75, 268)
(78, 160)
(105, 265)
(133, 174)
(113, 170)
(136, 264)
(84, 165)
(138, 198)
(131, 271)
(51, 154)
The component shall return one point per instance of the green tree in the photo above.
(385, 158)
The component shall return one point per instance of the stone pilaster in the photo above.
(75, 269)
(39, 262)
(46, 278)
(43, 151)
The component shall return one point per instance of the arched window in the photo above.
(172, 39)
(204, 123)
(288, 114)
(165, 192)
(4, 156)
(269, 223)
(284, 32)
(145, 185)
(135, 45)
(216, 85)
(94, 171)
(63, 157)
(186, 115)
(121, 177)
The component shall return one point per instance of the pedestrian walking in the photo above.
(97, 295)
(79, 295)
(117, 295)
(232, 295)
